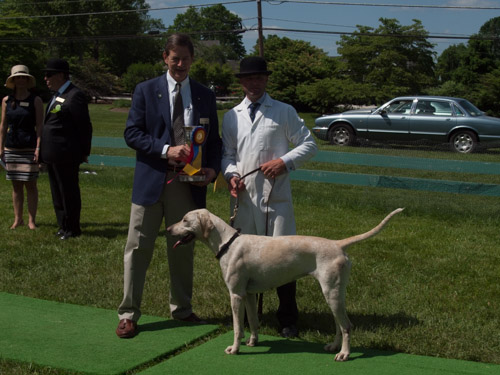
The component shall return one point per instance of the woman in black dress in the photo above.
(20, 131)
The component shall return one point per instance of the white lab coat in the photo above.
(248, 145)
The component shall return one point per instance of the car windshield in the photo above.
(398, 106)
(469, 107)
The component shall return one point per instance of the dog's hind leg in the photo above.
(334, 290)
(253, 320)
(238, 307)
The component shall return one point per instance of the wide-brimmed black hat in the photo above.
(57, 65)
(252, 65)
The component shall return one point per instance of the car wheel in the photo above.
(463, 141)
(341, 135)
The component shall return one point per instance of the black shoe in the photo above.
(289, 332)
(68, 235)
(59, 233)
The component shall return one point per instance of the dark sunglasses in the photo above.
(50, 74)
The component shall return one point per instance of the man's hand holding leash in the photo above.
(270, 169)
(273, 168)
(236, 185)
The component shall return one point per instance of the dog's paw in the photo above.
(231, 350)
(331, 347)
(342, 356)
(252, 341)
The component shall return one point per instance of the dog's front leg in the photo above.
(237, 305)
(253, 320)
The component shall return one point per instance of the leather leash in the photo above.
(235, 212)
(236, 203)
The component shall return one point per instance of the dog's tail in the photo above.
(360, 237)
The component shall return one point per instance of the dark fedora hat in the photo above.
(57, 65)
(252, 65)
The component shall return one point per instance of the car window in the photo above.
(442, 108)
(424, 107)
(399, 106)
(458, 111)
(469, 107)
(433, 108)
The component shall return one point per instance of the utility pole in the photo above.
(259, 18)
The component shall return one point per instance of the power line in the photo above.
(270, 2)
(386, 5)
(66, 39)
(141, 10)
(308, 23)
(335, 25)
(127, 36)
(483, 37)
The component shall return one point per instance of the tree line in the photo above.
(112, 45)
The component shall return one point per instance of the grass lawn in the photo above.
(428, 284)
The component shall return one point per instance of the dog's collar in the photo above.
(225, 247)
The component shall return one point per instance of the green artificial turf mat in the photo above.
(83, 338)
(275, 355)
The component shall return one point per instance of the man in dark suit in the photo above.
(158, 194)
(65, 144)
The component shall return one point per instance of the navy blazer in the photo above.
(67, 130)
(149, 128)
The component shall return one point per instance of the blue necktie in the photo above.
(253, 109)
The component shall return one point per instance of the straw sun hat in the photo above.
(19, 71)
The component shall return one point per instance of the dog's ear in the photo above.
(206, 223)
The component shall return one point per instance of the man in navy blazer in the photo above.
(158, 194)
(65, 144)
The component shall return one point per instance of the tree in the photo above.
(139, 72)
(94, 79)
(89, 35)
(471, 70)
(293, 62)
(393, 58)
(327, 95)
(12, 52)
(216, 76)
(212, 23)
(489, 92)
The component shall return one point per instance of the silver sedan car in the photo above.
(410, 118)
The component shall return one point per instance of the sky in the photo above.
(344, 16)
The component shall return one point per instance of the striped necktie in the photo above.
(253, 110)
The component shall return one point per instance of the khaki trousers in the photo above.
(145, 221)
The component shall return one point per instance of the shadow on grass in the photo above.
(324, 322)
(107, 230)
(163, 325)
(297, 346)
(104, 230)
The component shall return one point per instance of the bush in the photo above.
(140, 72)
(226, 105)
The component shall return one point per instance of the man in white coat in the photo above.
(258, 133)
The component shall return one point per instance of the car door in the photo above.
(391, 122)
(432, 120)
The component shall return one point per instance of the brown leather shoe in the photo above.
(126, 329)
(193, 318)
